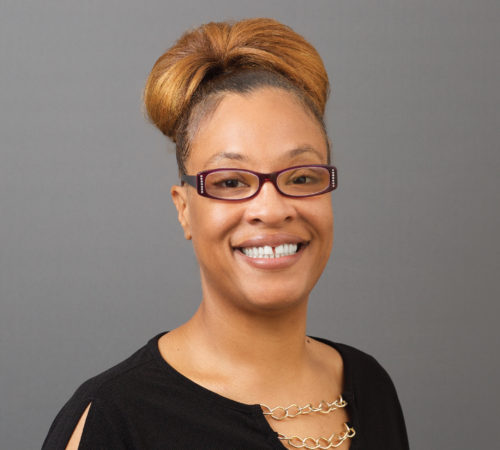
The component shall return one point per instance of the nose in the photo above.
(270, 207)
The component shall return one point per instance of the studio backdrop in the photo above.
(93, 262)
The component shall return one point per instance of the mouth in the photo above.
(270, 252)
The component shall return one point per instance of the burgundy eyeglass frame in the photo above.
(198, 181)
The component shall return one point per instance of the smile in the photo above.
(267, 251)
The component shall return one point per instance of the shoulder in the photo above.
(360, 368)
(366, 377)
(109, 387)
(375, 403)
(118, 378)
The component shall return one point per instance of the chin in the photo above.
(275, 300)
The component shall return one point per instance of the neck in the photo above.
(239, 341)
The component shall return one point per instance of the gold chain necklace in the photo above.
(334, 441)
(293, 410)
(309, 443)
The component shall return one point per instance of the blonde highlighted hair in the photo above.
(230, 57)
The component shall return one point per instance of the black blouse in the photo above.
(144, 403)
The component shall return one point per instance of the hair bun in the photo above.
(218, 48)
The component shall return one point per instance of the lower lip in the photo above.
(271, 263)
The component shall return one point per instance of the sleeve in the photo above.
(100, 432)
(66, 420)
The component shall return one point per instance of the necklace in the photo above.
(293, 410)
(334, 441)
(309, 443)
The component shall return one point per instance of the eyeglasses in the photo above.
(240, 184)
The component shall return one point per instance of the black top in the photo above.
(144, 403)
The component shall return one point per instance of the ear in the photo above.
(179, 197)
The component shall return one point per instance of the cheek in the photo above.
(321, 214)
(212, 222)
(322, 217)
(328, 232)
(330, 218)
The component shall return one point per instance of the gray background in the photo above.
(92, 260)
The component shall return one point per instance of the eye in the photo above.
(230, 183)
(304, 181)
(302, 177)
(228, 180)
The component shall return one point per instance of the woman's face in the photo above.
(264, 131)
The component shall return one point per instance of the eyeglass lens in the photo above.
(239, 184)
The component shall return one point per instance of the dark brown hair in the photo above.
(189, 78)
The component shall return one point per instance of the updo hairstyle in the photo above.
(189, 80)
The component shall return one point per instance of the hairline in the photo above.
(206, 106)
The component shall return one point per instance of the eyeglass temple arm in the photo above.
(190, 179)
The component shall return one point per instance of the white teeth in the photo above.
(267, 251)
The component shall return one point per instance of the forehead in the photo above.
(269, 126)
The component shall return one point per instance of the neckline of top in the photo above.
(153, 344)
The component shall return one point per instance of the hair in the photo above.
(191, 78)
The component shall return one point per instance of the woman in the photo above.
(244, 103)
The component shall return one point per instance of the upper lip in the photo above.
(272, 240)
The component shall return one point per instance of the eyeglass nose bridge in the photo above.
(263, 177)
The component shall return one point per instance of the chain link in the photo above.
(293, 410)
(309, 443)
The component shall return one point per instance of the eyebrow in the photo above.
(226, 155)
(240, 157)
(304, 149)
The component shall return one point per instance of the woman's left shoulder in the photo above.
(365, 377)
(375, 405)
(357, 363)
